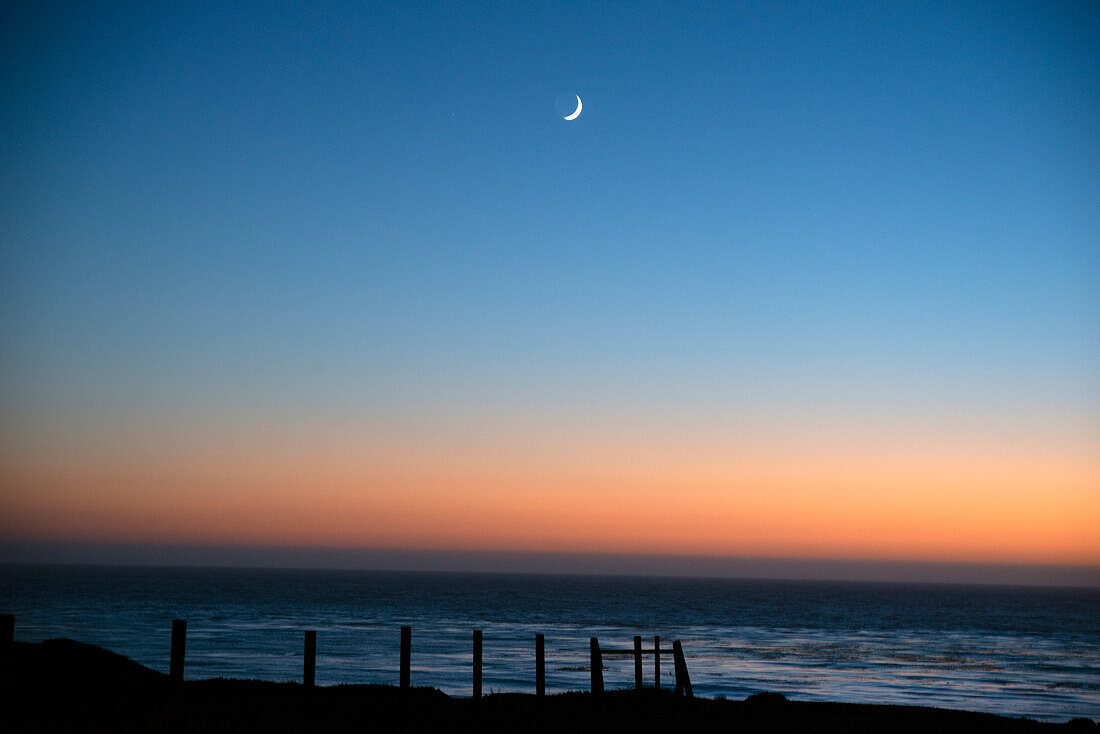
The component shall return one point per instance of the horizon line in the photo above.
(792, 568)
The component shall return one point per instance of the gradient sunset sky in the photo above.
(803, 280)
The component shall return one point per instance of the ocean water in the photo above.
(1019, 651)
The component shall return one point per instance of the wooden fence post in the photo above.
(657, 661)
(637, 662)
(597, 666)
(477, 663)
(540, 665)
(406, 650)
(683, 681)
(7, 639)
(310, 664)
(179, 646)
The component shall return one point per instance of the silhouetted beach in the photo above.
(64, 685)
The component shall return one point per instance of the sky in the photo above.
(813, 281)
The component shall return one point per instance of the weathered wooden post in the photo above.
(477, 663)
(657, 661)
(637, 662)
(7, 638)
(174, 708)
(179, 646)
(540, 665)
(683, 681)
(310, 664)
(597, 666)
(406, 648)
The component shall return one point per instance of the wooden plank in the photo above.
(309, 666)
(683, 680)
(174, 712)
(477, 663)
(7, 641)
(540, 665)
(179, 647)
(406, 654)
(637, 662)
(596, 666)
(656, 661)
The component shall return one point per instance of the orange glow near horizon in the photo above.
(937, 502)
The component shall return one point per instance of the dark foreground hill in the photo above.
(62, 685)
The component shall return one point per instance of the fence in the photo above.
(309, 666)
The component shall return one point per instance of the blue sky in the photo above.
(869, 214)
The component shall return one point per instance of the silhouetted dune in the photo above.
(65, 662)
(62, 685)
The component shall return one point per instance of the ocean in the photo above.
(1018, 651)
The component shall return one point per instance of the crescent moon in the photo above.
(576, 112)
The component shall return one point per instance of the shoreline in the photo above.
(68, 685)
